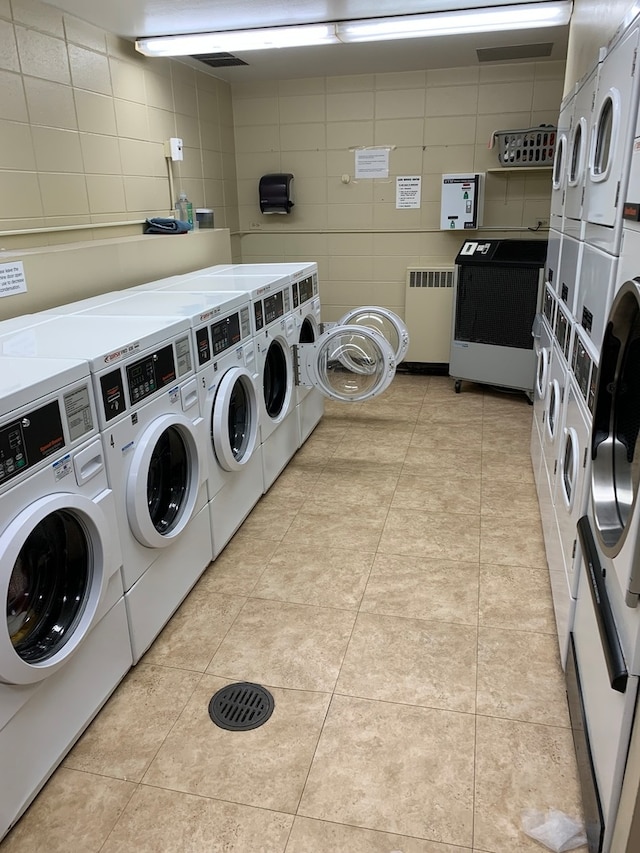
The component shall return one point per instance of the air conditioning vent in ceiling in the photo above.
(514, 52)
(219, 60)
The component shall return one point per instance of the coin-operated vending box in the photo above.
(462, 201)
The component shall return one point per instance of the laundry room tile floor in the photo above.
(391, 592)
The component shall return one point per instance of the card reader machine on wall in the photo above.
(275, 193)
(462, 202)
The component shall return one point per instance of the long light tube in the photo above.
(488, 19)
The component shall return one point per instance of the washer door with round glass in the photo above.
(553, 410)
(347, 363)
(383, 321)
(277, 380)
(167, 460)
(569, 467)
(52, 562)
(234, 419)
(615, 452)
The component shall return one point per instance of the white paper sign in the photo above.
(372, 163)
(408, 192)
(12, 279)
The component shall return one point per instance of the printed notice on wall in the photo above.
(12, 279)
(372, 163)
(408, 192)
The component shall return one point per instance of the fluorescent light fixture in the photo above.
(238, 40)
(491, 19)
(547, 13)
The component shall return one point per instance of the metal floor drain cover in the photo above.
(241, 706)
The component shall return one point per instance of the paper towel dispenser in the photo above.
(275, 193)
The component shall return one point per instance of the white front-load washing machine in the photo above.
(149, 414)
(273, 330)
(572, 481)
(543, 348)
(614, 122)
(64, 645)
(225, 368)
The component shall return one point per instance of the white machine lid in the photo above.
(255, 286)
(16, 324)
(303, 268)
(93, 338)
(26, 380)
(194, 306)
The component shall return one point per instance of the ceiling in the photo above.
(136, 18)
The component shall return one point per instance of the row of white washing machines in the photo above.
(137, 431)
(587, 417)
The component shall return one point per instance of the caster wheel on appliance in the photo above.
(458, 386)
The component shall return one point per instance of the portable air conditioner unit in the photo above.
(428, 313)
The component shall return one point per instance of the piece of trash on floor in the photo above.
(556, 830)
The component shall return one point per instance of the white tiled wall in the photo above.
(435, 122)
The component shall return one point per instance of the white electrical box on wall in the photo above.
(462, 201)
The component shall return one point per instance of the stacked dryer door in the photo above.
(543, 348)
(65, 645)
(147, 399)
(559, 174)
(577, 159)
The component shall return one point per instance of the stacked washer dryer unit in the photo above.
(225, 371)
(147, 399)
(603, 665)
(65, 642)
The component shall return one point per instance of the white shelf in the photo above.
(510, 169)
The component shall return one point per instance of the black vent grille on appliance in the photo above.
(496, 305)
(497, 291)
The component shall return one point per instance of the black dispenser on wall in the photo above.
(275, 193)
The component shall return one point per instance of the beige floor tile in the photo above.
(417, 534)
(446, 492)
(372, 447)
(333, 427)
(75, 811)
(318, 836)
(271, 517)
(355, 484)
(384, 415)
(510, 544)
(127, 733)
(192, 636)
(412, 661)
(438, 590)
(509, 499)
(433, 435)
(520, 766)
(265, 767)
(288, 645)
(314, 454)
(503, 466)
(514, 440)
(174, 822)
(317, 525)
(432, 462)
(457, 409)
(520, 677)
(394, 768)
(237, 569)
(330, 578)
(516, 598)
(294, 483)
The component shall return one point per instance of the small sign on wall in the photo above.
(12, 279)
(408, 192)
(372, 163)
